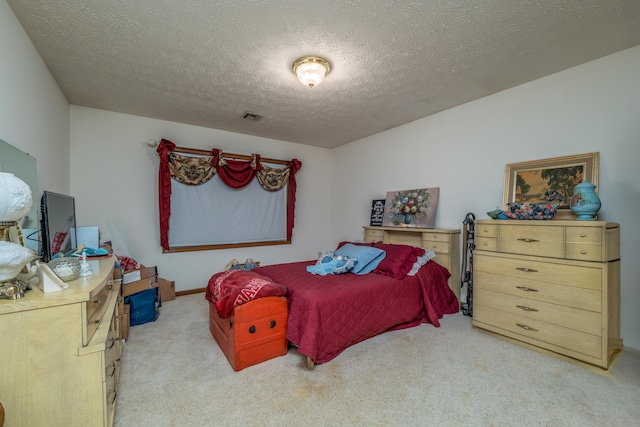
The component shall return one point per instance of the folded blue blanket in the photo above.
(330, 263)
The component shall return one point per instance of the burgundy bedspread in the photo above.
(328, 314)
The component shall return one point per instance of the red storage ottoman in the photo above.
(254, 332)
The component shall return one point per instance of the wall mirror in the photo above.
(23, 166)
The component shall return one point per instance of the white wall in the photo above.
(592, 107)
(114, 178)
(34, 114)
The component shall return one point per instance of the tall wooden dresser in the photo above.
(551, 284)
(444, 242)
(61, 353)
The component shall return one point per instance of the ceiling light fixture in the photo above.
(311, 70)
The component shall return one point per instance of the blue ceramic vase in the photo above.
(585, 202)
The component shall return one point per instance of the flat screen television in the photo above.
(58, 224)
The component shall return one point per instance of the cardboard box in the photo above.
(167, 289)
(124, 325)
(139, 286)
(117, 274)
(139, 274)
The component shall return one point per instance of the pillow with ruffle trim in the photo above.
(422, 260)
(399, 259)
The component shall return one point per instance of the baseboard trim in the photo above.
(190, 292)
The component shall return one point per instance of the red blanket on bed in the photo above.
(230, 288)
(327, 314)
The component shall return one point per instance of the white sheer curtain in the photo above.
(213, 213)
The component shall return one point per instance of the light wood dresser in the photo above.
(61, 350)
(444, 242)
(551, 284)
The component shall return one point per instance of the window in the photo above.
(215, 200)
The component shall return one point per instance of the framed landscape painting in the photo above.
(411, 208)
(527, 182)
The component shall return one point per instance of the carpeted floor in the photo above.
(174, 374)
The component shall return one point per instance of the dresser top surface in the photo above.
(79, 290)
(413, 229)
(555, 223)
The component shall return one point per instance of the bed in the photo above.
(328, 314)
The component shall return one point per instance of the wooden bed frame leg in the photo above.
(310, 364)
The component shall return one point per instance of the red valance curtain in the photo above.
(191, 170)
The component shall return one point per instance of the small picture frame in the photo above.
(377, 212)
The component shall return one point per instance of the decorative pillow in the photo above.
(422, 260)
(399, 259)
(368, 257)
(341, 244)
(329, 263)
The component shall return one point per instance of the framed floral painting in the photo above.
(411, 208)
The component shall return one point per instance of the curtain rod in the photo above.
(228, 155)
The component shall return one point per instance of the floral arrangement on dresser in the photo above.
(536, 210)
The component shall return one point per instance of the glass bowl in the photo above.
(66, 268)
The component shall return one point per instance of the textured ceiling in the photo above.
(208, 62)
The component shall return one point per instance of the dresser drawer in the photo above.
(94, 309)
(579, 276)
(111, 394)
(566, 296)
(559, 336)
(373, 235)
(546, 241)
(590, 235)
(441, 247)
(435, 237)
(568, 317)
(584, 252)
(486, 230)
(487, 244)
(112, 352)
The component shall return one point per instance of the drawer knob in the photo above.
(526, 289)
(583, 234)
(583, 252)
(527, 240)
(485, 244)
(272, 324)
(527, 270)
(525, 308)
(252, 329)
(527, 328)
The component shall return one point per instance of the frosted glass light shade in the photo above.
(15, 197)
(311, 70)
(12, 258)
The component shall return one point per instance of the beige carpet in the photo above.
(174, 374)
